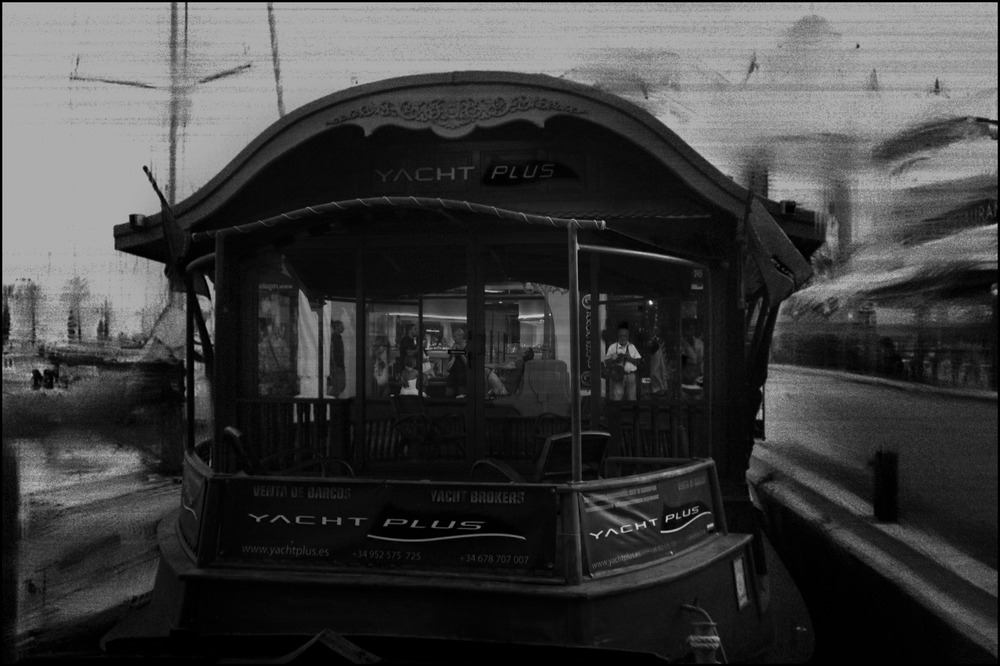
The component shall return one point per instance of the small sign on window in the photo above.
(697, 279)
(742, 597)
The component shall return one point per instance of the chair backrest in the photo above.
(548, 378)
(547, 423)
(544, 388)
(555, 464)
(249, 462)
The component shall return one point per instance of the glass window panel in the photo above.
(527, 345)
(306, 322)
(277, 331)
(342, 341)
(415, 354)
(650, 319)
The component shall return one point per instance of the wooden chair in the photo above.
(546, 425)
(289, 462)
(420, 433)
(555, 462)
(493, 470)
(544, 388)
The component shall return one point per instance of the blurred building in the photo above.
(917, 299)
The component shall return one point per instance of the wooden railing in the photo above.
(657, 428)
(378, 441)
(279, 424)
(644, 428)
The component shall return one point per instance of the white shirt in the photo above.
(628, 349)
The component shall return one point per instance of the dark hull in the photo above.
(202, 611)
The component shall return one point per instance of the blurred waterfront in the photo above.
(890, 138)
(90, 458)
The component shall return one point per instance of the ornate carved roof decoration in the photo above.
(454, 117)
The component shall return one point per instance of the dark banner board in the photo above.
(646, 522)
(382, 524)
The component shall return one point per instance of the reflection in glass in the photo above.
(277, 333)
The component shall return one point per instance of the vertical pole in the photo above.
(192, 303)
(886, 499)
(227, 373)
(596, 344)
(320, 339)
(574, 571)
(274, 57)
(475, 348)
(361, 327)
(421, 339)
(992, 380)
(174, 106)
(741, 240)
(710, 393)
(574, 357)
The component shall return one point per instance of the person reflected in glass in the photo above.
(494, 385)
(692, 355)
(621, 361)
(274, 361)
(407, 345)
(409, 377)
(659, 371)
(457, 367)
(380, 370)
(512, 380)
(337, 381)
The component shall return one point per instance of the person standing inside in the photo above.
(408, 344)
(337, 381)
(380, 386)
(512, 381)
(458, 370)
(659, 372)
(407, 349)
(692, 354)
(621, 361)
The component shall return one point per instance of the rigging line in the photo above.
(226, 72)
(121, 82)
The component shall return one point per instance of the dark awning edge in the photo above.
(398, 202)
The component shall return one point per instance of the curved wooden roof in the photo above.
(453, 106)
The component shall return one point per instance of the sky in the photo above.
(73, 150)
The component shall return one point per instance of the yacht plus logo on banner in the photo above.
(646, 522)
(676, 519)
(408, 527)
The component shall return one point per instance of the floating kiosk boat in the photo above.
(386, 468)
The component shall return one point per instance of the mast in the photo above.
(274, 58)
(175, 95)
(182, 82)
